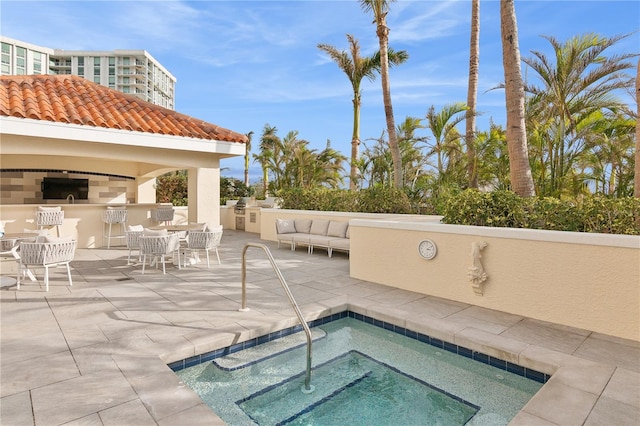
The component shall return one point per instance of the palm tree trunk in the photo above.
(636, 179)
(355, 144)
(520, 169)
(394, 147)
(472, 94)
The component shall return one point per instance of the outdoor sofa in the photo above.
(329, 234)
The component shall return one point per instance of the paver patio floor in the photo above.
(96, 353)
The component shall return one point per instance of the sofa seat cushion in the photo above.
(300, 238)
(340, 244)
(319, 240)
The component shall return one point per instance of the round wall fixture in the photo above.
(427, 249)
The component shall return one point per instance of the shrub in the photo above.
(505, 209)
(381, 199)
(371, 200)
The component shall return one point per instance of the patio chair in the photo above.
(159, 246)
(203, 240)
(113, 216)
(54, 252)
(133, 235)
(163, 214)
(49, 216)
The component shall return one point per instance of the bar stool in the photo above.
(113, 216)
(49, 216)
(163, 214)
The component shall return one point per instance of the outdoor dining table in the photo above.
(183, 230)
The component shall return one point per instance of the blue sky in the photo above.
(242, 64)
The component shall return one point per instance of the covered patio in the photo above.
(66, 126)
(96, 353)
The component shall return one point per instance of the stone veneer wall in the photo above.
(23, 187)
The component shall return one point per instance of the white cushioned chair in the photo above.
(50, 253)
(203, 240)
(159, 246)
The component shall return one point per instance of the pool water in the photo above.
(362, 375)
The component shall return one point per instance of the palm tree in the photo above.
(520, 170)
(246, 158)
(268, 141)
(446, 137)
(579, 82)
(472, 94)
(356, 68)
(380, 9)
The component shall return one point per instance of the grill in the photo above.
(240, 205)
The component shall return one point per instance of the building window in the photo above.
(37, 63)
(6, 59)
(126, 89)
(96, 79)
(21, 60)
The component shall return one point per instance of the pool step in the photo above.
(267, 350)
(329, 380)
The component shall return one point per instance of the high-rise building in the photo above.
(134, 72)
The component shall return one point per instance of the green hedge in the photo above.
(370, 200)
(471, 207)
(505, 209)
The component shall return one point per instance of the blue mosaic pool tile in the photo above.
(535, 375)
(437, 343)
(498, 363)
(424, 338)
(460, 350)
(450, 347)
(479, 356)
(515, 369)
(176, 366)
(400, 330)
(465, 352)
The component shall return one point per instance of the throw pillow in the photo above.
(284, 226)
(136, 228)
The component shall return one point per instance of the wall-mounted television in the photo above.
(61, 188)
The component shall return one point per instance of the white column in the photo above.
(204, 195)
(146, 190)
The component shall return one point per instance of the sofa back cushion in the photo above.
(303, 225)
(285, 226)
(319, 227)
(337, 229)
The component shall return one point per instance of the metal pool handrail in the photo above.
(307, 381)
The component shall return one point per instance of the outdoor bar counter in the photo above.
(82, 221)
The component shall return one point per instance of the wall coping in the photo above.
(586, 238)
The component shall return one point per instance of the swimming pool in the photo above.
(363, 374)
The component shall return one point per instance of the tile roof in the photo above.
(73, 99)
